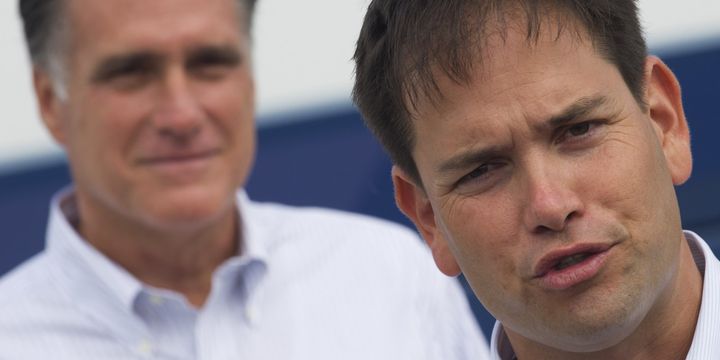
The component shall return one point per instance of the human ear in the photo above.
(49, 104)
(414, 203)
(664, 105)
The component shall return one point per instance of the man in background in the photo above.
(536, 146)
(153, 252)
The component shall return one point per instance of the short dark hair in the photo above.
(403, 43)
(41, 19)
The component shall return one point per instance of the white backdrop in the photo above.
(302, 57)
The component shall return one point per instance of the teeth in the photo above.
(571, 260)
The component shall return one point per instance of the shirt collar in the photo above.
(253, 247)
(707, 329)
(705, 343)
(500, 347)
(84, 265)
(253, 239)
(87, 270)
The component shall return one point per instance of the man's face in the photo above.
(551, 189)
(158, 125)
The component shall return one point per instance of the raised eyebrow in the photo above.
(115, 63)
(578, 109)
(471, 158)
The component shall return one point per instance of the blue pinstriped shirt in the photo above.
(310, 284)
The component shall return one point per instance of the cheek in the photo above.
(485, 241)
(489, 263)
(106, 128)
(232, 103)
(115, 120)
(234, 120)
(632, 179)
(635, 190)
(230, 108)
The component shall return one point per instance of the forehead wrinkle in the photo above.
(492, 63)
(556, 106)
(506, 61)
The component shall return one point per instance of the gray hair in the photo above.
(46, 32)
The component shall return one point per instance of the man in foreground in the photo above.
(153, 254)
(536, 146)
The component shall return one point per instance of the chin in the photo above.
(596, 330)
(590, 339)
(186, 210)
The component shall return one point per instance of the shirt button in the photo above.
(251, 315)
(156, 300)
(145, 347)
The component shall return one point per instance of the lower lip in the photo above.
(574, 274)
(181, 165)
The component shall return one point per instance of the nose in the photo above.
(552, 204)
(178, 115)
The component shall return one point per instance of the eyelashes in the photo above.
(578, 131)
(483, 177)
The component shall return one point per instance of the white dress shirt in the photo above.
(308, 284)
(706, 340)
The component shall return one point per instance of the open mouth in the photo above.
(565, 268)
(571, 260)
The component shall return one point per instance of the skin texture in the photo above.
(158, 128)
(504, 186)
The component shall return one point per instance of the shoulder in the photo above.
(28, 291)
(30, 307)
(329, 225)
(295, 215)
(378, 269)
(360, 249)
(24, 280)
(342, 244)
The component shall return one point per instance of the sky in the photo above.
(302, 56)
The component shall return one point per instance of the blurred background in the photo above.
(313, 146)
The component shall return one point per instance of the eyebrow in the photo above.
(223, 54)
(466, 159)
(119, 63)
(219, 54)
(578, 109)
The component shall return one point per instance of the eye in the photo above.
(213, 63)
(478, 172)
(481, 177)
(579, 129)
(579, 132)
(126, 72)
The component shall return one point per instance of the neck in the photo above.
(182, 258)
(665, 333)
